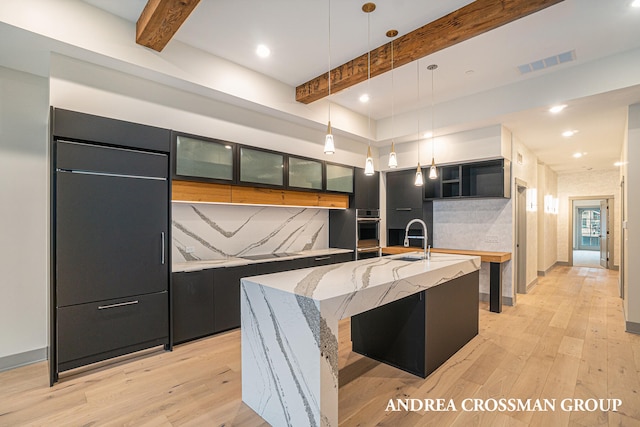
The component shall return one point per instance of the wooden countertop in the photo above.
(485, 256)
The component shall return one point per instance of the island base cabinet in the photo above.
(97, 331)
(419, 333)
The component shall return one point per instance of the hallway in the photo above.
(563, 340)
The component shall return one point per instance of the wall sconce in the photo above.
(551, 204)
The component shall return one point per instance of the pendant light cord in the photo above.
(432, 114)
(418, 109)
(392, 94)
(369, 71)
(329, 73)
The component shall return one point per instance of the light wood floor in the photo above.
(565, 339)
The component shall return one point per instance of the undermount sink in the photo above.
(410, 258)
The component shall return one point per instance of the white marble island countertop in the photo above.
(290, 328)
(354, 287)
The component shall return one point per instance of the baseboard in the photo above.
(21, 359)
(505, 300)
(531, 285)
(633, 327)
(615, 268)
(545, 272)
(563, 263)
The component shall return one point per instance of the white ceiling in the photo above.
(298, 34)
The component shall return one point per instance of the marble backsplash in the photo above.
(209, 231)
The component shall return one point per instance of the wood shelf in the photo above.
(189, 191)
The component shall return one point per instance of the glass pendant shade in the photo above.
(393, 159)
(433, 171)
(329, 147)
(368, 165)
(419, 181)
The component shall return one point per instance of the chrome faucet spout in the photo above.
(424, 238)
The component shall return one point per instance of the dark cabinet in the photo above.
(193, 296)
(366, 191)
(204, 159)
(491, 178)
(330, 259)
(94, 331)
(409, 333)
(261, 167)
(404, 199)
(404, 203)
(110, 239)
(226, 295)
(339, 178)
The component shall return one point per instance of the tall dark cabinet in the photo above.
(110, 239)
(404, 203)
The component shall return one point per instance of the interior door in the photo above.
(604, 233)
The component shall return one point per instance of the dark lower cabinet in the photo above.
(226, 296)
(420, 332)
(192, 305)
(94, 331)
(208, 301)
(330, 259)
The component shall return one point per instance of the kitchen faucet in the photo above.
(427, 254)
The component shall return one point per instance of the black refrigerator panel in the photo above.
(111, 223)
(111, 237)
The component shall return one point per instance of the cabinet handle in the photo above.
(162, 239)
(121, 304)
(404, 209)
(323, 258)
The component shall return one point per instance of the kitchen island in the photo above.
(290, 326)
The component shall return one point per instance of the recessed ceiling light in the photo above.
(557, 108)
(619, 163)
(578, 155)
(364, 98)
(636, 3)
(263, 51)
(569, 133)
(428, 134)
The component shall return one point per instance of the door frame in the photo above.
(611, 240)
(520, 239)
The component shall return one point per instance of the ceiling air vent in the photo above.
(541, 64)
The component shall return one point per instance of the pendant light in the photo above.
(418, 181)
(433, 171)
(368, 8)
(329, 146)
(393, 158)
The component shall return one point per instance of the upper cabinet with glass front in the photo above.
(261, 167)
(305, 173)
(339, 178)
(203, 159)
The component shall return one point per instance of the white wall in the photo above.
(23, 217)
(632, 207)
(547, 221)
(475, 144)
(587, 184)
(526, 171)
(89, 88)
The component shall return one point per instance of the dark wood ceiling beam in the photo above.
(160, 20)
(472, 20)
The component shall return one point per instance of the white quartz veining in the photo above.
(290, 328)
(203, 232)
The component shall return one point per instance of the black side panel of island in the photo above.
(419, 333)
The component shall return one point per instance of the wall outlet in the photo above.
(189, 249)
(491, 239)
